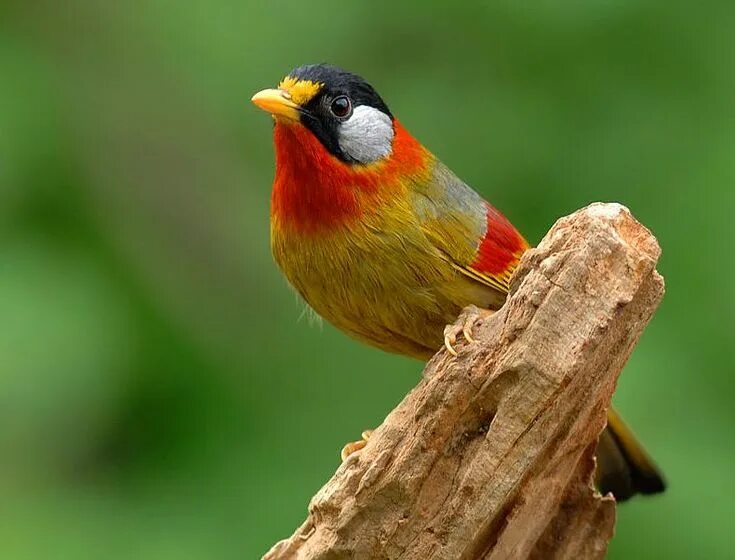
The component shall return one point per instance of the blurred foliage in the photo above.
(159, 396)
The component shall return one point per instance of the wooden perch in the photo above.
(491, 455)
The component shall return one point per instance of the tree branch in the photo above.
(490, 456)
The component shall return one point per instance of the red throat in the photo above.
(314, 190)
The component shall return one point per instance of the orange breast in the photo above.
(315, 191)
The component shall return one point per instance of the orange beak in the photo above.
(278, 103)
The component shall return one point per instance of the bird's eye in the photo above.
(341, 106)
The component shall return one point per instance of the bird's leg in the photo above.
(354, 446)
(465, 323)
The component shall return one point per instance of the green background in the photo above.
(161, 395)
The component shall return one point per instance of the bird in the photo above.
(385, 242)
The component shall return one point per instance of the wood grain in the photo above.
(491, 455)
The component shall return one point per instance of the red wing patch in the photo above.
(501, 247)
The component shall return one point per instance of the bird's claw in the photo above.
(354, 446)
(450, 339)
(464, 325)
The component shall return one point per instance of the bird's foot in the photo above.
(354, 446)
(465, 323)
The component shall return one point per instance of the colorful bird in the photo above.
(381, 239)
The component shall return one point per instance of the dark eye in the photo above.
(341, 106)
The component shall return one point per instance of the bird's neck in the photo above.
(315, 191)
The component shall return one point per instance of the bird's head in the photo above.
(339, 151)
(338, 108)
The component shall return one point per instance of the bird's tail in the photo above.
(623, 466)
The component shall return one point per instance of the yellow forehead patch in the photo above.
(301, 91)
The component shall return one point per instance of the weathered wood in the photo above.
(490, 456)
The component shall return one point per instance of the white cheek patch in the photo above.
(367, 135)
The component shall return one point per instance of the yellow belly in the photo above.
(394, 291)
